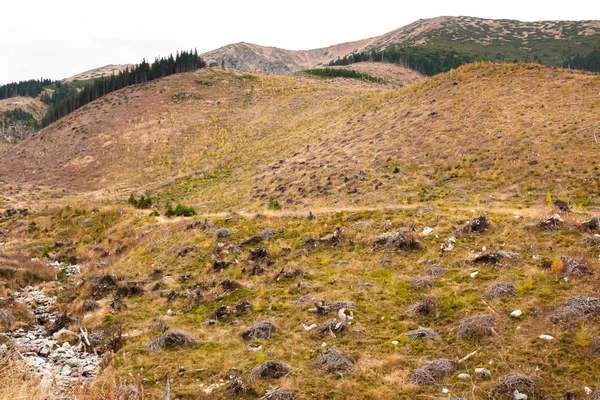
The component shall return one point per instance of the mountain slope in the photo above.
(107, 70)
(550, 42)
(223, 140)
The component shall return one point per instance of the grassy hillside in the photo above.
(224, 141)
(311, 192)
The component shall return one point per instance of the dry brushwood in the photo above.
(477, 225)
(575, 309)
(499, 290)
(235, 310)
(595, 396)
(332, 360)
(433, 372)
(129, 290)
(575, 267)
(590, 225)
(219, 265)
(562, 205)
(277, 393)
(423, 282)
(259, 331)
(230, 285)
(594, 347)
(6, 319)
(478, 326)
(222, 233)
(128, 392)
(271, 369)
(593, 240)
(437, 270)
(172, 339)
(237, 387)
(422, 334)
(90, 305)
(551, 224)
(62, 321)
(102, 284)
(495, 257)
(511, 382)
(424, 307)
(323, 307)
(331, 326)
(403, 240)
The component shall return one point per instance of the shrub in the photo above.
(180, 211)
(145, 201)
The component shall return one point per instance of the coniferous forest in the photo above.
(30, 88)
(182, 62)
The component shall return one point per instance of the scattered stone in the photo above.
(464, 376)
(546, 337)
(516, 314)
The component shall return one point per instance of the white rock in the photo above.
(445, 390)
(587, 390)
(323, 344)
(427, 231)
(546, 337)
(484, 372)
(73, 362)
(170, 312)
(395, 342)
(464, 376)
(448, 244)
(516, 314)
(474, 274)
(66, 371)
(484, 248)
(309, 328)
(519, 396)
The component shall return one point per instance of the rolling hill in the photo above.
(229, 141)
(548, 42)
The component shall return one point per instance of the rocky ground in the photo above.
(53, 356)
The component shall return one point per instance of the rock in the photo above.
(73, 362)
(474, 274)
(222, 233)
(484, 373)
(519, 396)
(464, 376)
(546, 337)
(89, 369)
(426, 231)
(448, 244)
(66, 371)
(516, 314)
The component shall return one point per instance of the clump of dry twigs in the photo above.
(499, 290)
(332, 360)
(478, 326)
(259, 331)
(575, 309)
(432, 372)
(172, 339)
(271, 369)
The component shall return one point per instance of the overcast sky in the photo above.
(60, 38)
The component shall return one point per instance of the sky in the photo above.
(60, 38)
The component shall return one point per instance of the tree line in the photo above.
(30, 88)
(591, 62)
(144, 72)
(426, 60)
